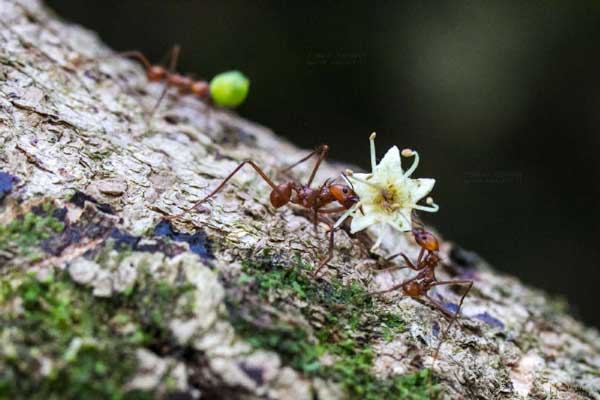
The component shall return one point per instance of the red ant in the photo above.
(158, 73)
(303, 195)
(420, 284)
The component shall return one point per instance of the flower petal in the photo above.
(401, 220)
(362, 189)
(361, 176)
(360, 222)
(419, 188)
(388, 196)
(390, 163)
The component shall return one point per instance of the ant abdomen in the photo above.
(412, 289)
(281, 196)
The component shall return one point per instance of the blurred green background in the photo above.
(501, 98)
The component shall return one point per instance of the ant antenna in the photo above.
(345, 178)
(416, 221)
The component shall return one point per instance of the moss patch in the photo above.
(343, 320)
(60, 342)
(23, 236)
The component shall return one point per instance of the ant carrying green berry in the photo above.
(227, 89)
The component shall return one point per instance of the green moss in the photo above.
(106, 255)
(85, 345)
(527, 341)
(345, 322)
(392, 324)
(24, 234)
(292, 344)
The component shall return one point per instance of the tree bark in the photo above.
(76, 131)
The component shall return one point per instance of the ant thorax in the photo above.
(306, 196)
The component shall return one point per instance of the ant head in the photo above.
(200, 88)
(156, 73)
(281, 196)
(343, 194)
(425, 239)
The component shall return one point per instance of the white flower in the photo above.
(388, 195)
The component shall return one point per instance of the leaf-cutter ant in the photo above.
(419, 285)
(425, 279)
(313, 199)
(171, 79)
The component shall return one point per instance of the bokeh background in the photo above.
(501, 98)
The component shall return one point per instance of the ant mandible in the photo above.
(303, 195)
(158, 73)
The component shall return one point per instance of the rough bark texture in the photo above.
(219, 304)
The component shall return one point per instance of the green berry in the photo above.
(229, 89)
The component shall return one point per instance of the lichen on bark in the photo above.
(100, 296)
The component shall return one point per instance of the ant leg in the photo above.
(421, 254)
(138, 55)
(329, 251)
(208, 117)
(322, 155)
(312, 153)
(167, 57)
(333, 210)
(172, 65)
(455, 316)
(392, 269)
(315, 220)
(390, 258)
(409, 263)
(174, 58)
(440, 307)
(332, 228)
(395, 287)
(227, 178)
(467, 282)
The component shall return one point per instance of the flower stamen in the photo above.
(350, 212)
(434, 207)
(373, 156)
(374, 185)
(387, 195)
(411, 153)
